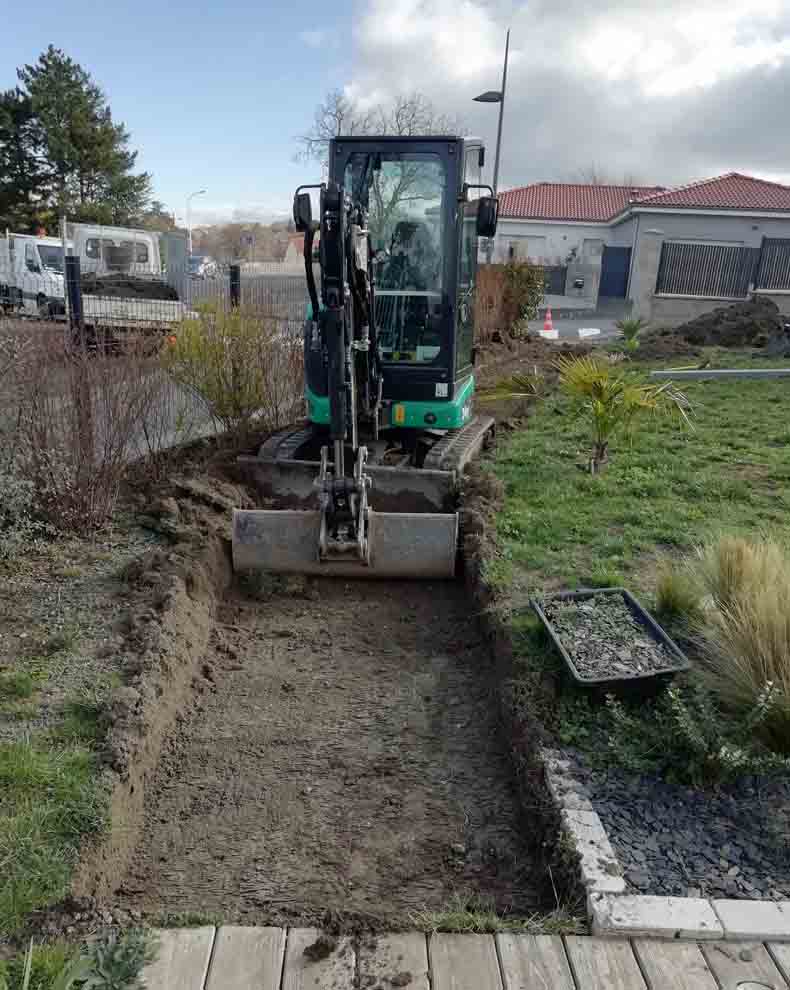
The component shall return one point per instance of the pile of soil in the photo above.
(603, 639)
(128, 287)
(754, 323)
(505, 356)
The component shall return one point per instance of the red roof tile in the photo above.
(732, 191)
(569, 201)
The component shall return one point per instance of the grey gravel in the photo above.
(603, 639)
(681, 841)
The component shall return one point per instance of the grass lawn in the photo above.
(663, 491)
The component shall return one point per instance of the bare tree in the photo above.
(405, 114)
(597, 175)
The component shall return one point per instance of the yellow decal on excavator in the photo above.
(399, 414)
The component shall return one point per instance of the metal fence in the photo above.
(773, 267)
(718, 270)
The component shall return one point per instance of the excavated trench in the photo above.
(346, 764)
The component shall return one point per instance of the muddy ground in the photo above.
(345, 767)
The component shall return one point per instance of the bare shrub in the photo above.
(245, 365)
(80, 416)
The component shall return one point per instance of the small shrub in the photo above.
(615, 400)
(524, 289)
(678, 592)
(241, 364)
(631, 328)
(520, 386)
(730, 567)
(20, 529)
(117, 962)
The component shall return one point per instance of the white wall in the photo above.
(550, 243)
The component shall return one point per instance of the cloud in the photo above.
(660, 90)
(313, 39)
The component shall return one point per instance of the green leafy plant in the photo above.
(17, 685)
(631, 328)
(117, 962)
(524, 290)
(240, 364)
(519, 386)
(614, 400)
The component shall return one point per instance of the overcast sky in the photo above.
(659, 92)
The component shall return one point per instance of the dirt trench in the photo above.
(346, 766)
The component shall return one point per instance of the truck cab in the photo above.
(116, 250)
(31, 275)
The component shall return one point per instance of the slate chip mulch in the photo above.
(731, 842)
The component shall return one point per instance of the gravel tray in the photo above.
(680, 841)
(606, 636)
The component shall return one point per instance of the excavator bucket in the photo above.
(412, 525)
(402, 544)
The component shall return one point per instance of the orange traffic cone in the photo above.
(548, 325)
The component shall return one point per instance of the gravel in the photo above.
(673, 840)
(603, 639)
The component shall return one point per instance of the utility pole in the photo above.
(496, 96)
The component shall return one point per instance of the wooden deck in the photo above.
(235, 958)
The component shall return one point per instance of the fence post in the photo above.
(74, 297)
(235, 285)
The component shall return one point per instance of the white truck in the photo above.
(121, 277)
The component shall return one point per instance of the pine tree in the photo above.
(23, 185)
(89, 165)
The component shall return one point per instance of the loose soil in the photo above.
(346, 766)
(603, 639)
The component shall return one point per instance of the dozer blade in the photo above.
(402, 544)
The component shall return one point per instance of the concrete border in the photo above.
(614, 911)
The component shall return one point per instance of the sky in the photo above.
(648, 91)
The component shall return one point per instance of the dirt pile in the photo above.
(754, 323)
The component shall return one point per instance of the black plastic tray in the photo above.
(642, 616)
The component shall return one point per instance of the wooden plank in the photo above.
(183, 959)
(603, 964)
(533, 962)
(736, 963)
(464, 962)
(247, 958)
(394, 960)
(780, 953)
(333, 971)
(676, 965)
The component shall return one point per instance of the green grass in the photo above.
(49, 800)
(47, 963)
(16, 685)
(472, 914)
(662, 492)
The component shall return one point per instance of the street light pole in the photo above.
(199, 192)
(501, 115)
(496, 96)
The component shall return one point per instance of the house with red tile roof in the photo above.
(710, 237)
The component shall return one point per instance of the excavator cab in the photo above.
(368, 484)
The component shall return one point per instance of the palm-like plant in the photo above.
(630, 328)
(518, 386)
(615, 399)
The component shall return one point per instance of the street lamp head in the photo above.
(490, 96)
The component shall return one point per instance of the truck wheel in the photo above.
(44, 308)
